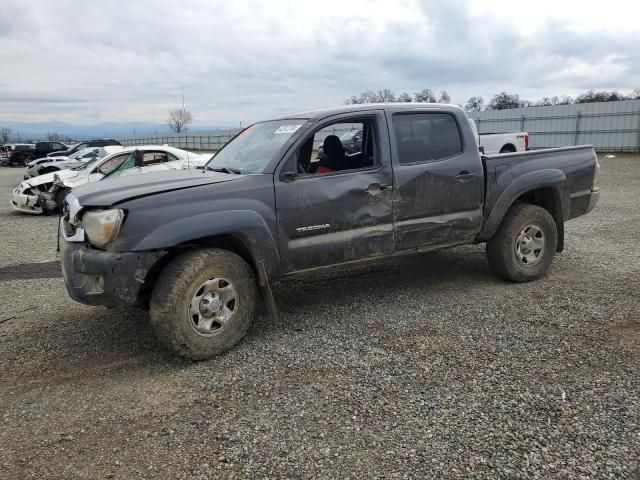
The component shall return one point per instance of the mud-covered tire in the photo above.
(505, 251)
(179, 284)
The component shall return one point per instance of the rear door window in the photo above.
(426, 137)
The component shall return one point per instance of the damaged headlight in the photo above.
(102, 226)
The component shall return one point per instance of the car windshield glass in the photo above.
(88, 164)
(78, 154)
(130, 162)
(254, 148)
(348, 136)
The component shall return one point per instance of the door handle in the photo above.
(464, 176)
(375, 188)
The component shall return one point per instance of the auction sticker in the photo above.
(287, 128)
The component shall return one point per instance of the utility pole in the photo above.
(184, 112)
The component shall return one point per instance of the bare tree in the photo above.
(384, 95)
(599, 96)
(404, 97)
(179, 119)
(54, 137)
(5, 133)
(635, 95)
(444, 97)
(474, 104)
(425, 95)
(504, 101)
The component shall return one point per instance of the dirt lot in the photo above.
(424, 367)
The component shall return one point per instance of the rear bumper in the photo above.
(593, 199)
(95, 277)
(583, 202)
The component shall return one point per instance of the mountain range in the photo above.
(22, 131)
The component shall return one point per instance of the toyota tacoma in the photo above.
(197, 247)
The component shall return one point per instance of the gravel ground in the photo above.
(427, 366)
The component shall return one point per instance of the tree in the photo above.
(635, 95)
(444, 97)
(592, 96)
(5, 133)
(179, 119)
(384, 95)
(474, 104)
(404, 97)
(425, 95)
(504, 101)
(53, 137)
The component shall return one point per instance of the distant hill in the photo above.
(39, 130)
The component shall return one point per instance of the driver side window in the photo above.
(339, 146)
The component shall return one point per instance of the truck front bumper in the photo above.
(95, 277)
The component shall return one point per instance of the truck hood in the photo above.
(112, 191)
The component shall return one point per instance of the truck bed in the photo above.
(574, 166)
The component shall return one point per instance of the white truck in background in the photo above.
(492, 143)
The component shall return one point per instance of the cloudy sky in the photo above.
(119, 60)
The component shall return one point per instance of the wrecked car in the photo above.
(44, 165)
(44, 193)
(197, 247)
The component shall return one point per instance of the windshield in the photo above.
(253, 149)
(79, 153)
(87, 164)
(129, 162)
(350, 135)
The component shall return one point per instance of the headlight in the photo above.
(102, 226)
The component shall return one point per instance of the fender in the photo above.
(553, 178)
(246, 225)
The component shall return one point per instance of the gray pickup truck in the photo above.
(196, 247)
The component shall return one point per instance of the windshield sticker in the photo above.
(287, 128)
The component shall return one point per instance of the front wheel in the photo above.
(524, 246)
(203, 303)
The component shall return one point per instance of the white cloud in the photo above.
(121, 60)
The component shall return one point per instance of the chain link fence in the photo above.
(197, 141)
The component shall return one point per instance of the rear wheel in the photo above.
(203, 303)
(524, 246)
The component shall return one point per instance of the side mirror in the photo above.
(288, 177)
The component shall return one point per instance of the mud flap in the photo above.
(267, 294)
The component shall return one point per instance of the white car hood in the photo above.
(49, 177)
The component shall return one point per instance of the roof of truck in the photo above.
(328, 111)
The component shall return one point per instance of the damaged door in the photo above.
(439, 180)
(335, 205)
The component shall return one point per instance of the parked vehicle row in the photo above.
(43, 193)
(196, 247)
(27, 153)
